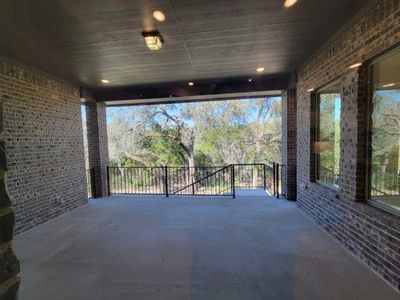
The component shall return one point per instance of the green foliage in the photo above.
(329, 134)
(204, 133)
(167, 152)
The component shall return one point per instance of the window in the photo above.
(85, 135)
(384, 179)
(328, 135)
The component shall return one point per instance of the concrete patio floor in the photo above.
(150, 247)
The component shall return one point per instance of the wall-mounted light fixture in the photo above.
(153, 40)
(356, 65)
(388, 85)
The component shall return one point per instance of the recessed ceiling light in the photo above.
(310, 90)
(153, 40)
(289, 3)
(105, 81)
(159, 15)
(260, 69)
(388, 85)
(250, 80)
(190, 83)
(355, 66)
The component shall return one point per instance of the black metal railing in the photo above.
(137, 180)
(199, 180)
(181, 177)
(275, 184)
(250, 176)
(385, 180)
(207, 181)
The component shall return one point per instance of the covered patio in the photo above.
(153, 247)
(66, 230)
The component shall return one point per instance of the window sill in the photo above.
(385, 207)
(332, 187)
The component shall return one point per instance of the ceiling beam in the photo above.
(201, 89)
(219, 97)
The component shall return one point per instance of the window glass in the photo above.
(385, 132)
(328, 135)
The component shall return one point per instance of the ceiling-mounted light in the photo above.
(289, 3)
(153, 40)
(105, 81)
(159, 15)
(191, 83)
(356, 65)
(310, 90)
(250, 80)
(259, 70)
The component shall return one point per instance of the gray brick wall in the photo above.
(370, 233)
(289, 143)
(9, 265)
(98, 144)
(44, 143)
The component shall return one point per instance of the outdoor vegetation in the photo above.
(385, 160)
(329, 137)
(213, 133)
(197, 142)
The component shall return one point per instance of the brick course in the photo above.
(371, 234)
(44, 143)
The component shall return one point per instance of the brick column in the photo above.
(289, 143)
(9, 265)
(354, 132)
(98, 144)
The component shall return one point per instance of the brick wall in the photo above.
(98, 145)
(44, 144)
(9, 265)
(289, 144)
(370, 233)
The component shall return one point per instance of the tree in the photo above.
(211, 133)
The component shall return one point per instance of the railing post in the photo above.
(274, 177)
(108, 181)
(265, 177)
(166, 180)
(233, 181)
(277, 180)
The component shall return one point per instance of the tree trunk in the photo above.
(192, 170)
